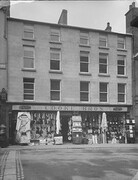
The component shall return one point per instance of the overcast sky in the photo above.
(89, 14)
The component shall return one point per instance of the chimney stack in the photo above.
(63, 17)
(132, 5)
(108, 28)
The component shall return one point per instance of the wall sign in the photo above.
(68, 108)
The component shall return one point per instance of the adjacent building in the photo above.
(57, 67)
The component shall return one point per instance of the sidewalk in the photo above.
(72, 146)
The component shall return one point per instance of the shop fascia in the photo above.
(69, 108)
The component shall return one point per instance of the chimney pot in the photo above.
(108, 28)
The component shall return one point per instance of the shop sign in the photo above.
(68, 108)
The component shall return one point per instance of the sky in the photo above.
(88, 14)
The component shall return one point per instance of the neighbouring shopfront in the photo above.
(42, 124)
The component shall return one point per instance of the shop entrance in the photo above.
(65, 127)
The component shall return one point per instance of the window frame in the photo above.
(84, 36)
(28, 28)
(103, 38)
(82, 62)
(103, 92)
(121, 41)
(103, 64)
(85, 92)
(119, 65)
(26, 82)
(55, 32)
(32, 59)
(55, 90)
(55, 51)
(121, 93)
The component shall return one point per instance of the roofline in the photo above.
(65, 26)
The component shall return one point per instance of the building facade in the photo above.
(132, 27)
(72, 70)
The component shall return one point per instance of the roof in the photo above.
(65, 26)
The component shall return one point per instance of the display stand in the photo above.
(76, 130)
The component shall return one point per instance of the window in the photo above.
(84, 38)
(55, 57)
(103, 63)
(102, 40)
(121, 42)
(84, 61)
(55, 90)
(29, 31)
(28, 85)
(121, 93)
(103, 92)
(55, 35)
(121, 65)
(84, 91)
(28, 57)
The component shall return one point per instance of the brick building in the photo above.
(73, 70)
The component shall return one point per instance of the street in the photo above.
(74, 162)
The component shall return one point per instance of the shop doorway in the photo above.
(65, 127)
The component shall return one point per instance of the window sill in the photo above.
(85, 74)
(83, 45)
(104, 75)
(102, 47)
(55, 72)
(29, 69)
(55, 42)
(125, 50)
(28, 39)
(121, 76)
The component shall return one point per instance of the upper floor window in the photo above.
(103, 90)
(84, 91)
(84, 38)
(29, 56)
(121, 65)
(29, 31)
(103, 63)
(102, 40)
(55, 35)
(84, 61)
(121, 42)
(121, 93)
(55, 58)
(28, 85)
(55, 90)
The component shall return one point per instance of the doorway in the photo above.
(65, 127)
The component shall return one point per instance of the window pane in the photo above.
(28, 86)
(84, 58)
(28, 63)
(54, 65)
(28, 34)
(84, 86)
(121, 62)
(121, 88)
(103, 87)
(28, 97)
(55, 55)
(28, 89)
(84, 67)
(103, 68)
(121, 70)
(55, 85)
(83, 41)
(55, 95)
(103, 97)
(121, 98)
(28, 53)
(84, 96)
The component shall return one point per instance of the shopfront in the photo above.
(48, 121)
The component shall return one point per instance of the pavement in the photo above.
(11, 165)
